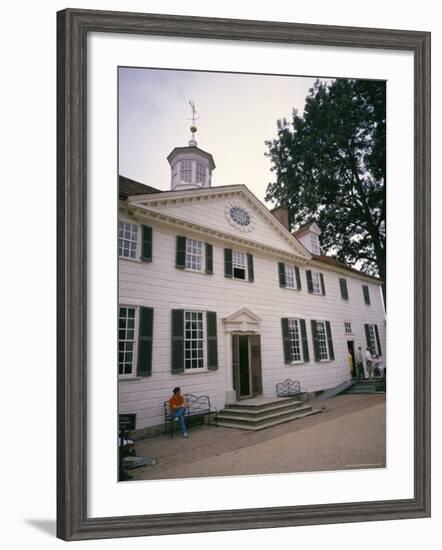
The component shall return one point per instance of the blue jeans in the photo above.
(180, 414)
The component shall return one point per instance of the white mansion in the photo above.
(217, 296)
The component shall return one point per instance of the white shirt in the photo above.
(368, 356)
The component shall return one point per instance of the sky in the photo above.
(237, 114)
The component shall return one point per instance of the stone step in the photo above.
(262, 410)
(247, 418)
(269, 424)
(257, 404)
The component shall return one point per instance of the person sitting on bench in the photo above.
(177, 406)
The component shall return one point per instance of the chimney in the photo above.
(281, 214)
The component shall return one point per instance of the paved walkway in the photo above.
(350, 435)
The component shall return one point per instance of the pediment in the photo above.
(243, 315)
(232, 210)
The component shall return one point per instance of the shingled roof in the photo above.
(128, 188)
(337, 263)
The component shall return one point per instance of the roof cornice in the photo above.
(136, 211)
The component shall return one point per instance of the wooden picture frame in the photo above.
(73, 27)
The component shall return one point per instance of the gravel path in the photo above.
(350, 435)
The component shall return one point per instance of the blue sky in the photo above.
(237, 113)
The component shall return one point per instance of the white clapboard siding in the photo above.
(158, 284)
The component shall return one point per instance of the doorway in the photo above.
(351, 351)
(246, 361)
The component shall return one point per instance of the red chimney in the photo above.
(281, 214)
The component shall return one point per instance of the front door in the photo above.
(351, 351)
(246, 360)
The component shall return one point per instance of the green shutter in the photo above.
(228, 266)
(366, 292)
(298, 278)
(344, 289)
(367, 336)
(180, 262)
(145, 332)
(209, 258)
(304, 341)
(330, 341)
(286, 340)
(309, 281)
(321, 276)
(251, 275)
(146, 243)
(281, 272)
(378, 341)
(315, 341)
(177, 341)
(212, 341)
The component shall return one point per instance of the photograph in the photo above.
(251, 274)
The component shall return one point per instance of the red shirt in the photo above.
(176, 401)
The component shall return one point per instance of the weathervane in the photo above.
(193, 119)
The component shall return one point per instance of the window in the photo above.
(322, 340)
(200, 172)
(366, 292)
(316, 280)
(194, 255)
(193, 340)
(126, 340)
(289, 276)
(348, 328)
(344, 289)
(127, 239)
(371, 338)
(239, 265)
(315, 244)
(186, 171)
(295, 340)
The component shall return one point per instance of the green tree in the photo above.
(330, 167)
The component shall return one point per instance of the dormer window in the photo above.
(314, 240)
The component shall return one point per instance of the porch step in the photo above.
(259, 413)
(247, 418)
(268, 424)
(259, 403)
(258, 410)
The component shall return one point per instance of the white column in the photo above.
(230, 392)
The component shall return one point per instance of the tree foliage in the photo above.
(330, 167)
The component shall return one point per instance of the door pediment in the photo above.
(243, 320)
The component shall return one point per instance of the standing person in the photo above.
(177, 406)
(360, 364)
(369, 363)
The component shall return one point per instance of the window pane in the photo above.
(194, 340)
(194, 254)
(289, 276)
(295, 340)
(126, 339)
(316, 282)
(322, 340)
(127, 241)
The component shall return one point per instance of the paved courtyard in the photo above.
(351, 434)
